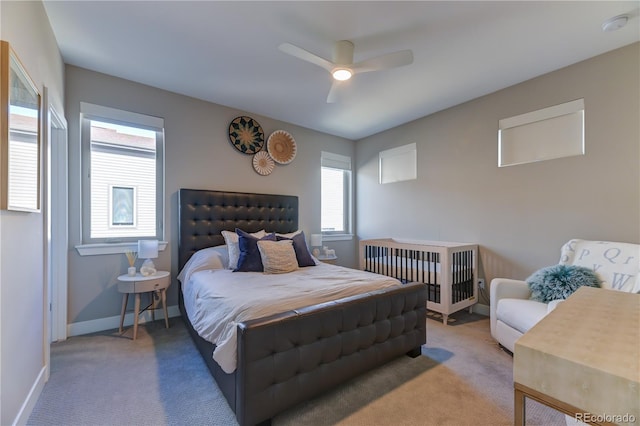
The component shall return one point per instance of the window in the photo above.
(123, 175)
(336, 197)
(398, 164)
(545, 134)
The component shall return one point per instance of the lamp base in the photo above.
(147, 268)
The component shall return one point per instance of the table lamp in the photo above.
(147, 249)
(316, 241)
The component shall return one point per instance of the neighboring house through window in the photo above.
(336, 200)
(123, 175)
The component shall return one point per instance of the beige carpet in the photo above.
(421, 400)
(463, 378)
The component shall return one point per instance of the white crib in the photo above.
(448, 269)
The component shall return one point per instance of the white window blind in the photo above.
(398, 164)
(545, 134)
(336, 199)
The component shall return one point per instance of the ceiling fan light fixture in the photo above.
(342, 74)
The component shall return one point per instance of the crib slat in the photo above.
(408, 262)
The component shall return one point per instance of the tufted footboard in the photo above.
(287, 358)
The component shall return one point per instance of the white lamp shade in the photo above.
(147, 249)
(316, 240)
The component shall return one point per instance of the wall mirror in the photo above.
(20, 135)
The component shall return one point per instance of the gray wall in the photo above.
(26, 27)
(520, 215)
(198, 155)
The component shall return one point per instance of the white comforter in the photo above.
(217, 300)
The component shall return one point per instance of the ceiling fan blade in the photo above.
(333, 95)
(391, 60)
(305, 55)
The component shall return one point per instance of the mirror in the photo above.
(19, 135)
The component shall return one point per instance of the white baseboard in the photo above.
(27, 406)
(92, 326)
(102, 324)
(481, 309)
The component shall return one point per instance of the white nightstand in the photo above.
(157, 283)
(328, 259)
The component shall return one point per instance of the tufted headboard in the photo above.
(203, 214)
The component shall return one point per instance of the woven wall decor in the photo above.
(263, 163)
(246, 135)
(281, 147)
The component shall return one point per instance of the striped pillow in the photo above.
(278, 257)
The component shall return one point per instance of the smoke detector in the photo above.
(615, 23)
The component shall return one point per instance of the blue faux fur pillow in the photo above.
(559, 281)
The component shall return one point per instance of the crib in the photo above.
(448, 269)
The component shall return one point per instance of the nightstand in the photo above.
(328, 259)
(138, 284)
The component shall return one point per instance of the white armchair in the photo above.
(513, 313)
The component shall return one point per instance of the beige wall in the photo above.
(26, 27)
(519, 215)
(198, 155)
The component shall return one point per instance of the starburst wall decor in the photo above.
(246, 135)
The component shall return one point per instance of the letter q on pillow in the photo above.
(278, 257)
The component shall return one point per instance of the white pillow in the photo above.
(231, 240)
(616, 264)
(208, 258)
(278, 257)
(289, 235)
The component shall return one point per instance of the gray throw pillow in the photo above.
(560, 281)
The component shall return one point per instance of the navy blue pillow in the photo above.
(300, 247)
(249, 260)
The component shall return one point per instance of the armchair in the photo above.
(512, 313)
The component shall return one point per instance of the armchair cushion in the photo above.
(521, 314)
(560, 281)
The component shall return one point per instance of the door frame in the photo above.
(56, 225)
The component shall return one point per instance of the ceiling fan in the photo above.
(342, 67)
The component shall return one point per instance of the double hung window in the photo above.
(336, 201)
(122, 175)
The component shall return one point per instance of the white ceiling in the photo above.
(227, 52)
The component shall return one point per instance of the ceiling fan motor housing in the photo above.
(343, 53)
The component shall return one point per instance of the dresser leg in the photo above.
(125, 299)
(136, 314)
(519, 408)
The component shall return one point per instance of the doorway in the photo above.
(56, 225)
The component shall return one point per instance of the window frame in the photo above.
(343, 163)
(90, 112)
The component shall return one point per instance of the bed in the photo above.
(448, 269)
(291, 356)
